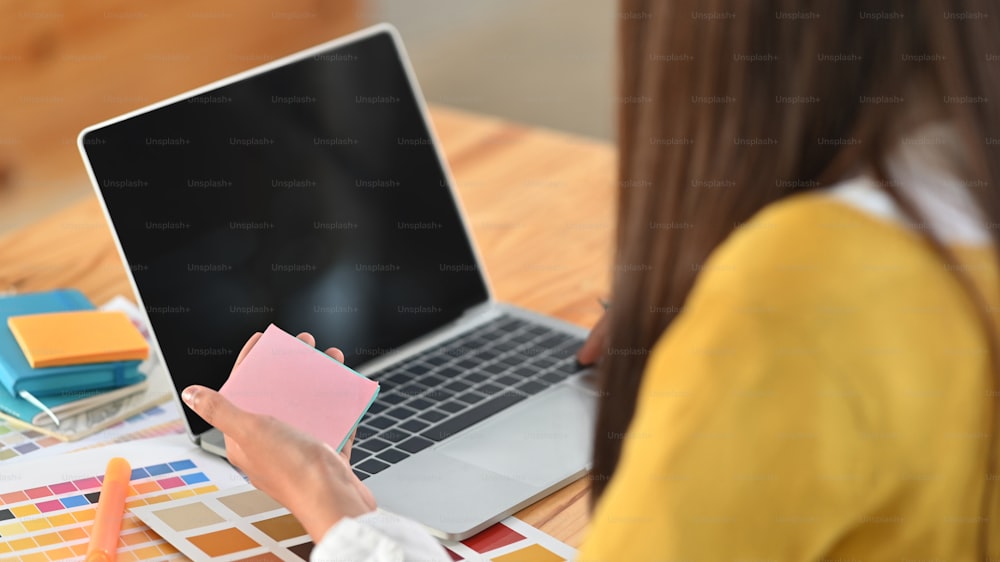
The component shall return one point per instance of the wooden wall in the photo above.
(66, 64)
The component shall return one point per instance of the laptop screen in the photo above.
(309, 196)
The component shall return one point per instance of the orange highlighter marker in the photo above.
(111, 506)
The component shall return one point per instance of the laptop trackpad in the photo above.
(538, 443)
(460, 487)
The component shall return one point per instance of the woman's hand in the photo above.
(592, 349)
(305, 475)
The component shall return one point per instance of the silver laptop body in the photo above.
(454, 453)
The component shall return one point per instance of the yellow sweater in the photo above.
(823, 396)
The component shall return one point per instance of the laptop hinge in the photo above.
(473, 316)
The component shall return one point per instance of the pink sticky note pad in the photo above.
(284, 377)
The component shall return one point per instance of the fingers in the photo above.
(247, 347)
(346, 450)
(589, 352)
(308, 338)
(216, 410)
(331, 351)
(592, 349)
(335, 353)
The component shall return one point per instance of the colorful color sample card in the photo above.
(47, 508)
(510, 540)
(284, 377)
(235, 524)
(16, 441)
(18, 444)
(245, 524)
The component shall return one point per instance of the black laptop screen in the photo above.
(308, 196)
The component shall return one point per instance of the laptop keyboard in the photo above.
(463, 381)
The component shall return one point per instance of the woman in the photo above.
(807, 368)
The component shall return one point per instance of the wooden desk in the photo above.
(540, 205)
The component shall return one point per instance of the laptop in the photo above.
(311, 192)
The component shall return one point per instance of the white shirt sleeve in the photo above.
(378, 537)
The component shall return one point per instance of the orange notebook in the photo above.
(73, 338)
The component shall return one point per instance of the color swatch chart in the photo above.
(245, 524)
(235, 524)
(511, 540)
(16, 442)
(46, 512)
(143, 426)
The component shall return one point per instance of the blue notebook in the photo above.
(16, 374)
(63, 406)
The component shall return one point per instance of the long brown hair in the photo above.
(698, 74)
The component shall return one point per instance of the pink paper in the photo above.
(300, 385)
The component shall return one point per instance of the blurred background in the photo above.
(66, 64)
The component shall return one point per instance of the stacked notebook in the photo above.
(61, 359)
